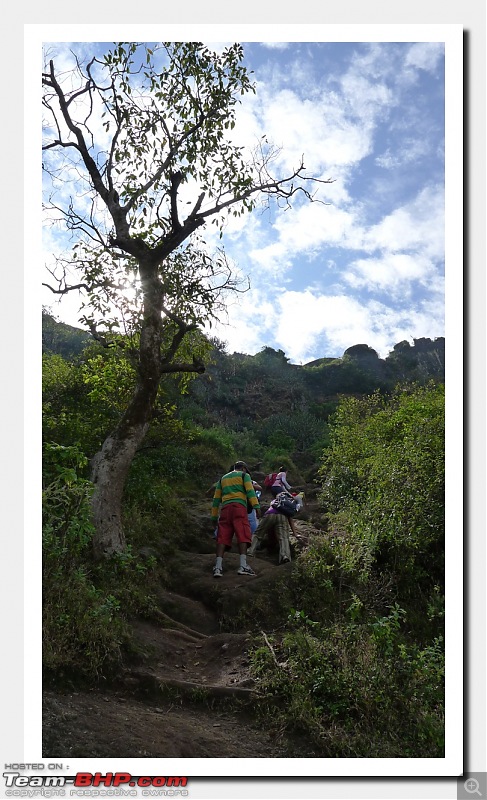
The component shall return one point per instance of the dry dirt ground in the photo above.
(187, 692)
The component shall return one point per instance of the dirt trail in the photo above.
(188, 693)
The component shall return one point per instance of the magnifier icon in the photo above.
(472, 786)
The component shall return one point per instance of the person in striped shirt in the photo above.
(232, 493)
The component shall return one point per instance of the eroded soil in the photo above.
(187, 692)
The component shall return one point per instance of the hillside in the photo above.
(237, 386)
(336, 654)
(185, 689)
(252, 393)
(64, 340)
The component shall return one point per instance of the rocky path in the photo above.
(188, 693)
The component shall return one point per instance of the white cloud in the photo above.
(302, 232)
(425, 55)
(309, 325)
(347, 123)
(304, 318)
(393, 273)
(304, 325)
(417, 226)
(410, 240)
(318, 127)
(275, 45)
(250, 323)
(411, 151)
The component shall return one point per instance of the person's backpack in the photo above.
(269, 479)
(286, 504)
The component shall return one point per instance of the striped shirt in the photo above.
(232, 489)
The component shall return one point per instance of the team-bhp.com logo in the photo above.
(121, 783)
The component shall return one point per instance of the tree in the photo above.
(140, 134)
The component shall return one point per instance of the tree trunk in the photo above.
(110, 469)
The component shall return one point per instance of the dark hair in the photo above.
(241, 465)
(282, 469)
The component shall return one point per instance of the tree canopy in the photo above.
(138, 157)
(142, 139)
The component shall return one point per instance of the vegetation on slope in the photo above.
(355, 656)
(359, 665)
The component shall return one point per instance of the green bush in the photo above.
(357, 691)
(85, 605)
(383, 479)
(359, 666)
(219, 439)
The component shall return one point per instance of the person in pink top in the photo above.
(280, 483)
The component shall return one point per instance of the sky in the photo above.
(366, 265)
(367, 111)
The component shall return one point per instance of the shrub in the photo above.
(359, 666)
(219, 439)
(356, 690)
(85, 606)
(384, 474)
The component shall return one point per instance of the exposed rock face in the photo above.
(424, 359)
(367, 359)
(362, 352)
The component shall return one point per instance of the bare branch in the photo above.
(99, 337)
(67, 288)
(64, 287)
(276, 187)
(197, 206)
(118, 215)
(183, 329)
(176, 179)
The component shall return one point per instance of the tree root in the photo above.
(156, 684)
(179, 626)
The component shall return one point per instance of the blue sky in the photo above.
(370, 269)
(367, 264)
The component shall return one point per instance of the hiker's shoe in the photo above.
(245, 570)
(217, 572)
(285, 560)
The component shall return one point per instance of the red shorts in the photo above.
(233, 520)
